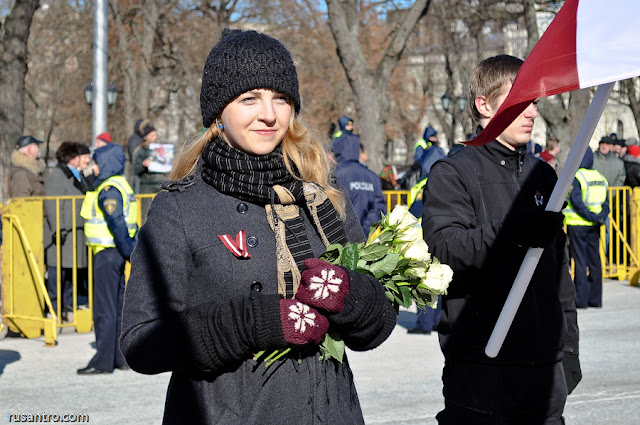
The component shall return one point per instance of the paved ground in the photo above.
(398, 383)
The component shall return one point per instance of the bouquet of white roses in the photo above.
(396, 254)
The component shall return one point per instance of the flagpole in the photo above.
(558, 196)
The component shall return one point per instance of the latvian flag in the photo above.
(590, 42)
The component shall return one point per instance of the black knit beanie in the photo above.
(243, 61)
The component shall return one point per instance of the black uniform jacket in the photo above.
(471, 204)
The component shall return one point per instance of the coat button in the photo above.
(252, 241)
(502, 162)
(242, 208)
(256, 286)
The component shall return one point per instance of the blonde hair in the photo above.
(304, 154)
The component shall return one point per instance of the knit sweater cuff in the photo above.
(267, 324)
(368, 317)
(196, 325)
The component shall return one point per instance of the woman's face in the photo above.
(256, 121)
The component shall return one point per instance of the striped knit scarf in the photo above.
(265, 180)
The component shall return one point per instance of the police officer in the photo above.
(362, 185)
(110, 228)
(428, 139)
(587, 210)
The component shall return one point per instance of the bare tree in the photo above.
(14, 35)
(630, 88)
(369, 84)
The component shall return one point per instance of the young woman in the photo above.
(216, 274)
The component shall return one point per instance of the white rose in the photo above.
(438, 278)
(401, 218)
(411, 234)
(417, 250)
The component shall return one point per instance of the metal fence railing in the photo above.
(25, 300)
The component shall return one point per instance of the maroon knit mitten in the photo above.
(302, 324)
(323, 285)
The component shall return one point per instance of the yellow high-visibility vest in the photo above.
(416, 191)
(419, 143)
(594, 192)
(95, 227)
(337, 134)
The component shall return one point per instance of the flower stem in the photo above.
(277, 357)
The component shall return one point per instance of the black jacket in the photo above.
(472, 202)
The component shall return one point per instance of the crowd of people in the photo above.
(226, 262)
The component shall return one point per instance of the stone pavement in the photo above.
(398, 383)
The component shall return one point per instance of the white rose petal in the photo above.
(417, 250)
(438, 278)
(409, 235)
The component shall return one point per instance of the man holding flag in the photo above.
(483, 208)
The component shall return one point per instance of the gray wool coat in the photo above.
(178, 263)
(61, 182)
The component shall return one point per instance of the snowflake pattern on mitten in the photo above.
(301, 324)
(323, 285)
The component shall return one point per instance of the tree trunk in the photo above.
(370, 85)
(13, 68)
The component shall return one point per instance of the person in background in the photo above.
(86, 166)
(110, 228)
(102, 139)
(65, 180)
(149, 181)
(547, 157)
(345, 126)
(429, 139)
(632, 166)
(132, 144)
(607, 163)
(483, 208)
(362, 186)
(227, 254)
(587, 209)
(25, 175)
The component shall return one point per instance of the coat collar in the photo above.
(20, 160)
(501, 155)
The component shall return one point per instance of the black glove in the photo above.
(572, 372)
(535, 227)
(602, 219)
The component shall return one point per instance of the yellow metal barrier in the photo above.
(25, 296)
(24, 291)
(395, 197)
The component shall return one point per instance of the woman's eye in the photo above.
(248, 99)
(282, 98)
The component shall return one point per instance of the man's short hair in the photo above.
(489, 77)
(67, 151)
(552, 142)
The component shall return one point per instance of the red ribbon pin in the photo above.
(238, 247)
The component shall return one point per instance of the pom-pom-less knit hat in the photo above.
(242, 61)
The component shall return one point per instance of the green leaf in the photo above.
(350, 256)
(374, 252)
(406, 296)
(390, 296)
(385, 236)
(333, 346)
(332, 253)
(385, 266)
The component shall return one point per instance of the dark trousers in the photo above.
(478, 394)
(585, 250)
(108, 294)
(428, 319)
(66, 287)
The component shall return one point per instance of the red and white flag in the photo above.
(590, 42)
